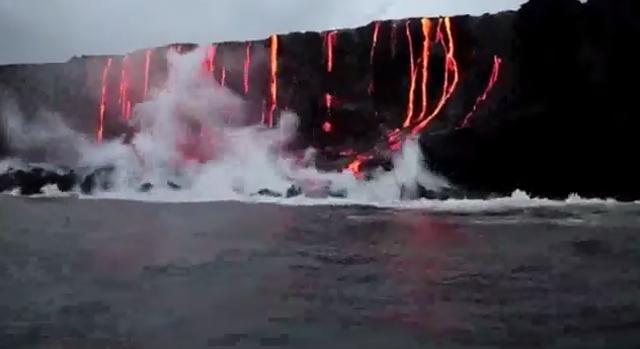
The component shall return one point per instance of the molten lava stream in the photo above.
(246, 67)
(211, 57)
(451, 66)
(124, 86)
(426, 30)
(412, 76)
(147, 64)
(330, 41)
(103, 99)
(273, 84)
(374, 42)
(495, 74)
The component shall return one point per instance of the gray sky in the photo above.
(54, 30)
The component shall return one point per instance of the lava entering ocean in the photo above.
(420, 111)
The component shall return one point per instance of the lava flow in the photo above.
(413, 73)
(124, 86)
(211, 57)
(273, 83)
(103, 99)
(426, 30)
(495, 73)
(246, 67)
(374, 42)
(451, 67)
(147, 63)
(330, 41)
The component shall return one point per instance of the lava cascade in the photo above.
(124, 86)
(211, 57)
(273, 83)
(426, 30)
(495, 74)
(451, 69)
(147, 64)
(103, 99)
(374, 43)
(412, 76)
(330, 42)
(246, 67)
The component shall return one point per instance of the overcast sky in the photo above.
(55, 30)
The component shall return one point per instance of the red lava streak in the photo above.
(451, 67)
(211, 58)
(495, 73)
(327, 127)
(245, 71)
(103, 99)
(273, 83)
(147, 63)
(124, 88)
(413, 73)
(330, 41)
(374, 42)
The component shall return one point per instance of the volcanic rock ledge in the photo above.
(540, 99)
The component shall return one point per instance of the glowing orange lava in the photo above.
(426, 30)
(413, 73)
(103, 99)
(356, 165)
(122, 97)
(374, 41)
(273, 63)
(330, 41)
(211, 57)
(245, 71)
(451, 67)
(495, 74)
(147, 63)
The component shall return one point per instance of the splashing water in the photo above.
(186, 138)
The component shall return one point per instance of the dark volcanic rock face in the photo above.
(545, 94)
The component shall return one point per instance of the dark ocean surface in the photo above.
(117, 274)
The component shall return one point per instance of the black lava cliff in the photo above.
(541, 99)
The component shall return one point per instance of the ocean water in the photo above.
(516, 273)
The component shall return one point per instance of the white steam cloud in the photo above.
(193, 133)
